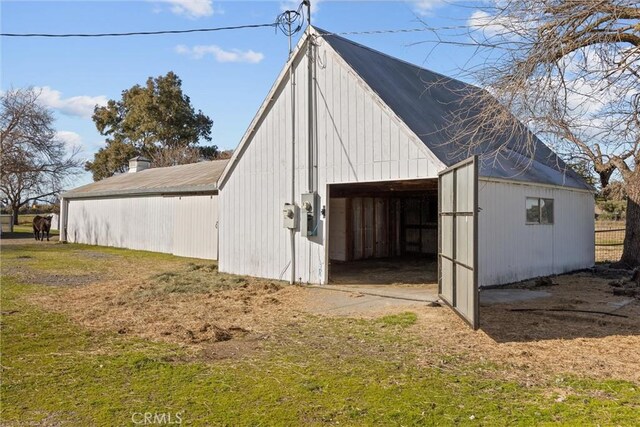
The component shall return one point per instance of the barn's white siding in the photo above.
(359, 140)
(179, 225)
(509, 250)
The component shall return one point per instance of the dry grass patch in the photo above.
(218, 315)
(194, 305)
(535, 346)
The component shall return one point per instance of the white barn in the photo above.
(172, 210)
(371, 178)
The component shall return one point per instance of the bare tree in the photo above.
(35, 164)
(570, 71)
(172, 156)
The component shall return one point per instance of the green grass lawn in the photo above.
(326, 371)
(29, 229)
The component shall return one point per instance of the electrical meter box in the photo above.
(290, 216)
(309, 214)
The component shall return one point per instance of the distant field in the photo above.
(26, 219)
(28, 229)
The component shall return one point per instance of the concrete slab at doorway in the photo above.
(369, 301)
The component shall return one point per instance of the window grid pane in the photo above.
(546, 211)
(533, 210)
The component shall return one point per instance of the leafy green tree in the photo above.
(157, 121)
(114, 158)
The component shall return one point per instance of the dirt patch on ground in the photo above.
(222, 316)
(627, 286)
(25, 239)
(31, 276)
(95, 255)
(538, 344)
(386, 271)
(195, 306)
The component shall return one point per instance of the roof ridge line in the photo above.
(324, 33)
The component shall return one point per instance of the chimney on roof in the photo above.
(138, 164)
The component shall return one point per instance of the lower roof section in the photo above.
(195, 178)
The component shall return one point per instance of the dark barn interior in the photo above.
(383, 232)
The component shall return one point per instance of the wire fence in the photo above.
(609, 240)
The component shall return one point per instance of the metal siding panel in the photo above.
(377, 136)
(464, 194)
(360, 133)
(465, 292)
(447, 280)
(447, 192)
(342, 115)
(116, 222)
(446, 224)
(464, 240)
(511, 250)
(333, 106)
(352, 130)
(195, 234)
(384, 138)
(368, 137)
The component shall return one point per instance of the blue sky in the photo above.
(226, 74)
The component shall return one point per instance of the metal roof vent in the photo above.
(138, 164)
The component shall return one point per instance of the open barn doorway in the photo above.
(383, 233)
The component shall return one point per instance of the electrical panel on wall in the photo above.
(309, 219)
(290, 216)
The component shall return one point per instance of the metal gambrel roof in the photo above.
(191, 178)
(426, 101)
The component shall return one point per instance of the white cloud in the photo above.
(425, 7)
(481, 20)
(500, 25)
(71, 139)
(81, 106)
(190, 8)
(221, 55)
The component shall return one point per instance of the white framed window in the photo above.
(539, 210)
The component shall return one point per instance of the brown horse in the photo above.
(41, 225)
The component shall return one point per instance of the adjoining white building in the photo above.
(172, 210)
(375, 176)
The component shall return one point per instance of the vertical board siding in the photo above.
(183, 226)
(195, 226)
(357, 140)
(509, 250)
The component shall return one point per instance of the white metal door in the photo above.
(457, 239)
(195, 229)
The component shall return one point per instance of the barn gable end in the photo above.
(377, 148)
(359, 139)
